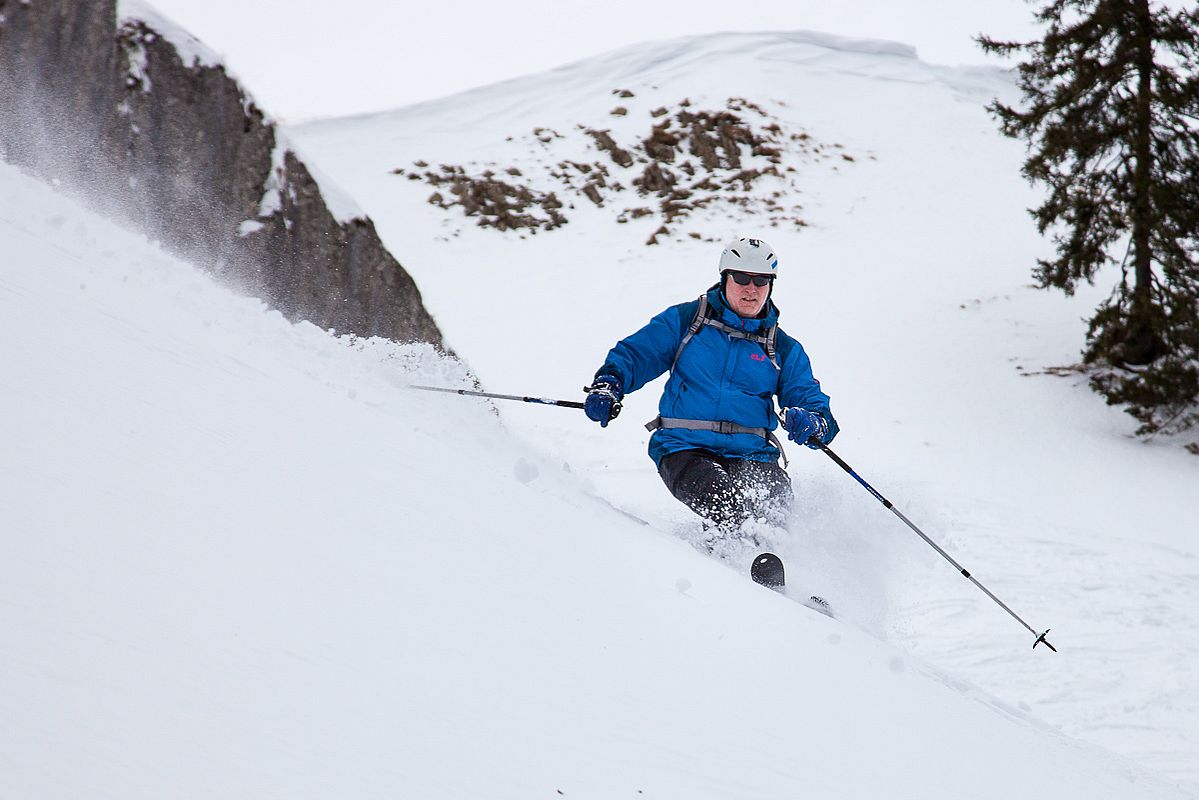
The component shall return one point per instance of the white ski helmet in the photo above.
(749, 255)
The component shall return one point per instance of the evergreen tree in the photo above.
(1111, 119)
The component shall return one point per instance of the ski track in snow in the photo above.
(241, 559)
(924, 330)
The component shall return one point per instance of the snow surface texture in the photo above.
(241, 559)
(910, 290)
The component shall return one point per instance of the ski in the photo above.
(819, 604)
(767, 569)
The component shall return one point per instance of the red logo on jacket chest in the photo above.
(758, 356)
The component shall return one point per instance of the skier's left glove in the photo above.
(603, 400)
(805, 427)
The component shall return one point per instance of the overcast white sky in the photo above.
(309, 58)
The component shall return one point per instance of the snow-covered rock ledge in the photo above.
(119, 105)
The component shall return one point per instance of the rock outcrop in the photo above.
(724, 159)
(125, 114)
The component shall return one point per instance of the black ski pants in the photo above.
(727, 491)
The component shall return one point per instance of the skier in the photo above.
(713, 440)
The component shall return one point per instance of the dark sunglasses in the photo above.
(745, 279)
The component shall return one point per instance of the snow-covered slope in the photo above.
(240, 559)
(910, 288)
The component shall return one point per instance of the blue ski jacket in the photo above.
(719, 378)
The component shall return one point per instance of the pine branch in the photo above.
(1110, 117)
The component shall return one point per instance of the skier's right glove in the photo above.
(603, 400)
(805, 427)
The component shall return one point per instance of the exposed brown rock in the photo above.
(716, 138)
(655, 179)
(591, 191)
(605, 142)
(498, 204)
(732, 150)
(662, 144)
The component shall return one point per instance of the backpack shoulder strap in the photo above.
(767, 339)
(697, 322)
(703, 316)
(772, 335)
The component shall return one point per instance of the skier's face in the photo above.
(747, 300)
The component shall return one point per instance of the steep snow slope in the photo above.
(239, 559)
(910, 288)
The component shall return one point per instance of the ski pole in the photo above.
(965, 573)
(466, 392)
